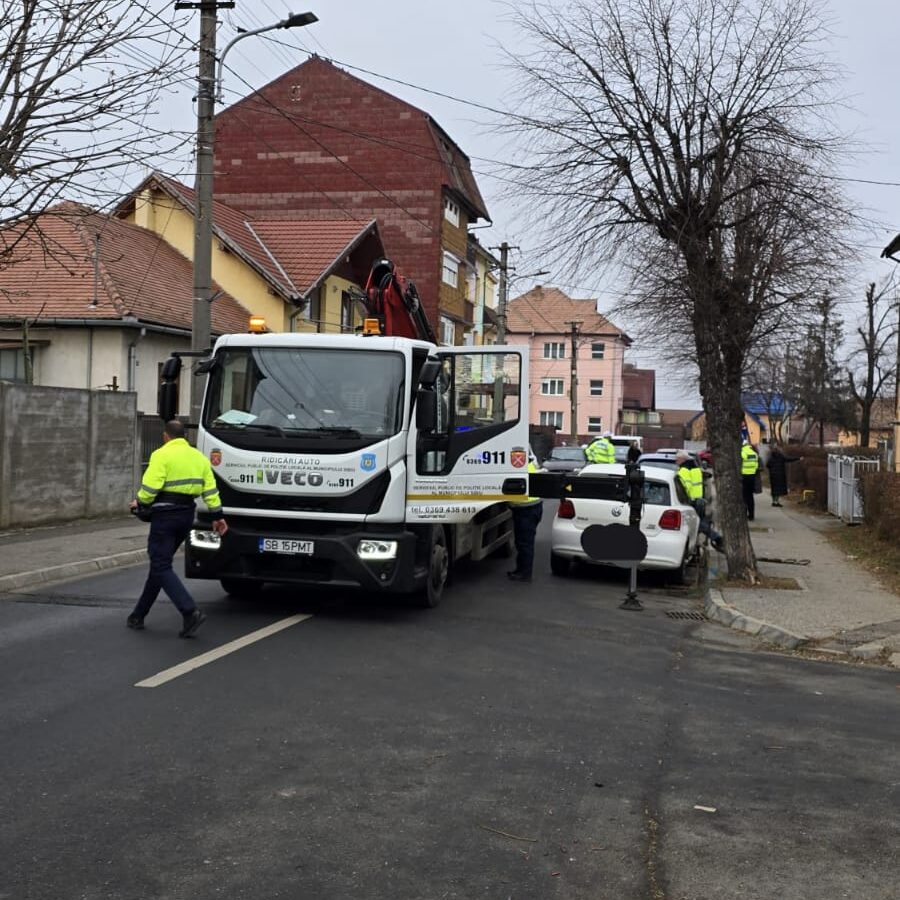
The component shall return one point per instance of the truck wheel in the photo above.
(240, 588)
(560, 565)
(438, 563)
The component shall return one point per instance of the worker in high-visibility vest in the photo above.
(601, 450)
(176, 474)
(691, 477)
(749, 468)
(527, 513)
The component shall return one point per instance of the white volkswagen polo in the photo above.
(668, 521)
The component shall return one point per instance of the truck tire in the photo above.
(560, 565)
(240, 588)
(437, 561)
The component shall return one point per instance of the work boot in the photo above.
(518, 576)
(135, 622)
(192, 621)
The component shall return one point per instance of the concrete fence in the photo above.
(65, 454)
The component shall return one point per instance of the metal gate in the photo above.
(844, 500)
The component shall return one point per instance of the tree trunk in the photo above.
(718, 349)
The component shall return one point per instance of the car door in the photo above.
(473, 450)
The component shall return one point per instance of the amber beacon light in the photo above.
(257, 325)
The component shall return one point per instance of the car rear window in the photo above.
(656, 493)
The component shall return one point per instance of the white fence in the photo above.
(844, 500)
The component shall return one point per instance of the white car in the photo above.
(668, 521)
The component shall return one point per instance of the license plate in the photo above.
(285, 545)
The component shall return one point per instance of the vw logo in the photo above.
(617, 511)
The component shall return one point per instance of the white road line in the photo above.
(211, 656)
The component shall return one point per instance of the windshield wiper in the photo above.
(266, 426)
(337, 430)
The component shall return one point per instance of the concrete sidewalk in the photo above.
(839, 608)
(35, 556)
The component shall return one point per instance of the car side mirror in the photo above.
(426, 407)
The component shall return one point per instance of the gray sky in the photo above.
(453, 48)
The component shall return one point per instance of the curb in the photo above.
(21, 580)
(717, 610)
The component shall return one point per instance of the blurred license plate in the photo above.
(284, 545)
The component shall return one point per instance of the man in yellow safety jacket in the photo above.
(691, 477)
(601, 450)
(527, 513)
(176, 475)
(749, 468)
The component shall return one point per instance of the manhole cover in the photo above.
(682, 614)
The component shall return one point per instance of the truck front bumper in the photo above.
(335, 560)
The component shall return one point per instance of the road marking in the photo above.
(211, 656)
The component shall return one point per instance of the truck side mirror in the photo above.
(167, 400)
(431, 369)
(167, 396)
(426, 407)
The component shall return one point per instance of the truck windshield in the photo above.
(265, 395)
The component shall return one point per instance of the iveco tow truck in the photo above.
(370, 460)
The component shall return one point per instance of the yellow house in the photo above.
(300, 275)
(482, 289)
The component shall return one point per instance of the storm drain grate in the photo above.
(682, 614)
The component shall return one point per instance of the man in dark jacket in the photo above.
(778, 472)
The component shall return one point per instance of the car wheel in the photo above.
(560, 565)
(438, 563)
(241, 588)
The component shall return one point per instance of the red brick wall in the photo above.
(275, 155)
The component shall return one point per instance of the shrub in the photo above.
(881, 503)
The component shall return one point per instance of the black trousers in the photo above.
(168, 530)
(525, 522)
(748, 488)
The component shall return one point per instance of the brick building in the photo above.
(319, 142)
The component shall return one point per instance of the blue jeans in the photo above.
(525, 523)
(168, 530)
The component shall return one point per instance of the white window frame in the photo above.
(555, 350)
(450, 268)
(595, 424)
(548, 385)
(596, 387)
(598, 354)
(552, 417)
(448, 331)
(451, 212)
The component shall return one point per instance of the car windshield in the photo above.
(306, 394)
(567, 453)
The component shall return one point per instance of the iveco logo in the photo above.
(617, 511)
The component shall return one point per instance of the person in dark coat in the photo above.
(778, 472)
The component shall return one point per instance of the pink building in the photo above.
(552, 324)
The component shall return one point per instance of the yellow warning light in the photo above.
(257, 325)
(371, 326)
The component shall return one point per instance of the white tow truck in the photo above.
(357, 460)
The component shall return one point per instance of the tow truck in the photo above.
(371, 460)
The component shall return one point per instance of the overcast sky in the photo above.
(453, 48)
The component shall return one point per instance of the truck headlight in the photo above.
(372, 549)
(205, 540)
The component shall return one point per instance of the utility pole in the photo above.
(897, 399)
(573, 389)
(504, 288)
(203, 185)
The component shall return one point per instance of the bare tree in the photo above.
(79, 85)
(692, 136)
(871, 365)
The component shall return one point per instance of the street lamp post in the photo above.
(208, 90)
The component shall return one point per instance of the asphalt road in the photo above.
(517, 742)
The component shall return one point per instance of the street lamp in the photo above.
(208, 89)
(295, 20)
